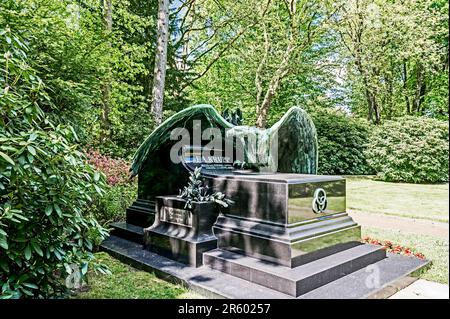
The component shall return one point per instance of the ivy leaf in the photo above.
(84, 269)
(4, 265)
(97, 189)
(3, 243)
(30, 285)
(33, 136)
(37, 249)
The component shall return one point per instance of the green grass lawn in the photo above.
(434, 249)
(424, 201)
(125, 282)
(421, 201)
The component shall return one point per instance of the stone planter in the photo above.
(182, 234)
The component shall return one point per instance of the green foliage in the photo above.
(76, 56)
(66, 51)
(196, 192)
(131, 47)
(120, 192)
(45, 186)
(342, 142)
(410, 149)
(398, 64)
(111, 207)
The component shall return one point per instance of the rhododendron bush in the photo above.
(46, 232)
(115, 170)
(120, 191)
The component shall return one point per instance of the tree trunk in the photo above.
(376, 110)
(159, 74)
(387, 97)
(369, 106)
(405, 88)
(274, 84)
(420, 89)
(263, 110)
(106, 87)
(374, 113)
(280, 73)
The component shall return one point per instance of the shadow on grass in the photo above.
(126, 282)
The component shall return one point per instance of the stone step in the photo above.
(128, 231)
(203, 280)
(141, 216)
(299, 280)
(216, 284)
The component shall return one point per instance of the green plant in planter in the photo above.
(196, 192)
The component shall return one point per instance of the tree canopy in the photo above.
(374, 59)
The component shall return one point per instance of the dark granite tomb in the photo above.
(287, 230)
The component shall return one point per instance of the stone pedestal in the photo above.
(181, 234)
(287, 232)
(287, 219)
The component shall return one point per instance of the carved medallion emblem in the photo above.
(319, 203)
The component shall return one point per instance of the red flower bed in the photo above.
(115, 170)
(395, 249)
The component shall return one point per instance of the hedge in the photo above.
(342, 143)
(410, 149)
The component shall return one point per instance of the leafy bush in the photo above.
(111, 207)
(410, 149)
(120, 192)
(115, 170)
(342, 142)
(45, 187)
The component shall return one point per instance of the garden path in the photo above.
(402, 224)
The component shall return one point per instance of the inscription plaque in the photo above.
(216, 164)
(176, 216)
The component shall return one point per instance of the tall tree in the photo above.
(106, 87)
(160, 61)
(393, 50)
(263, 44)
(300, 22)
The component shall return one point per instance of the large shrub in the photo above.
(410, 149)
(120, 191)
(46, 234)
(342, 142)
